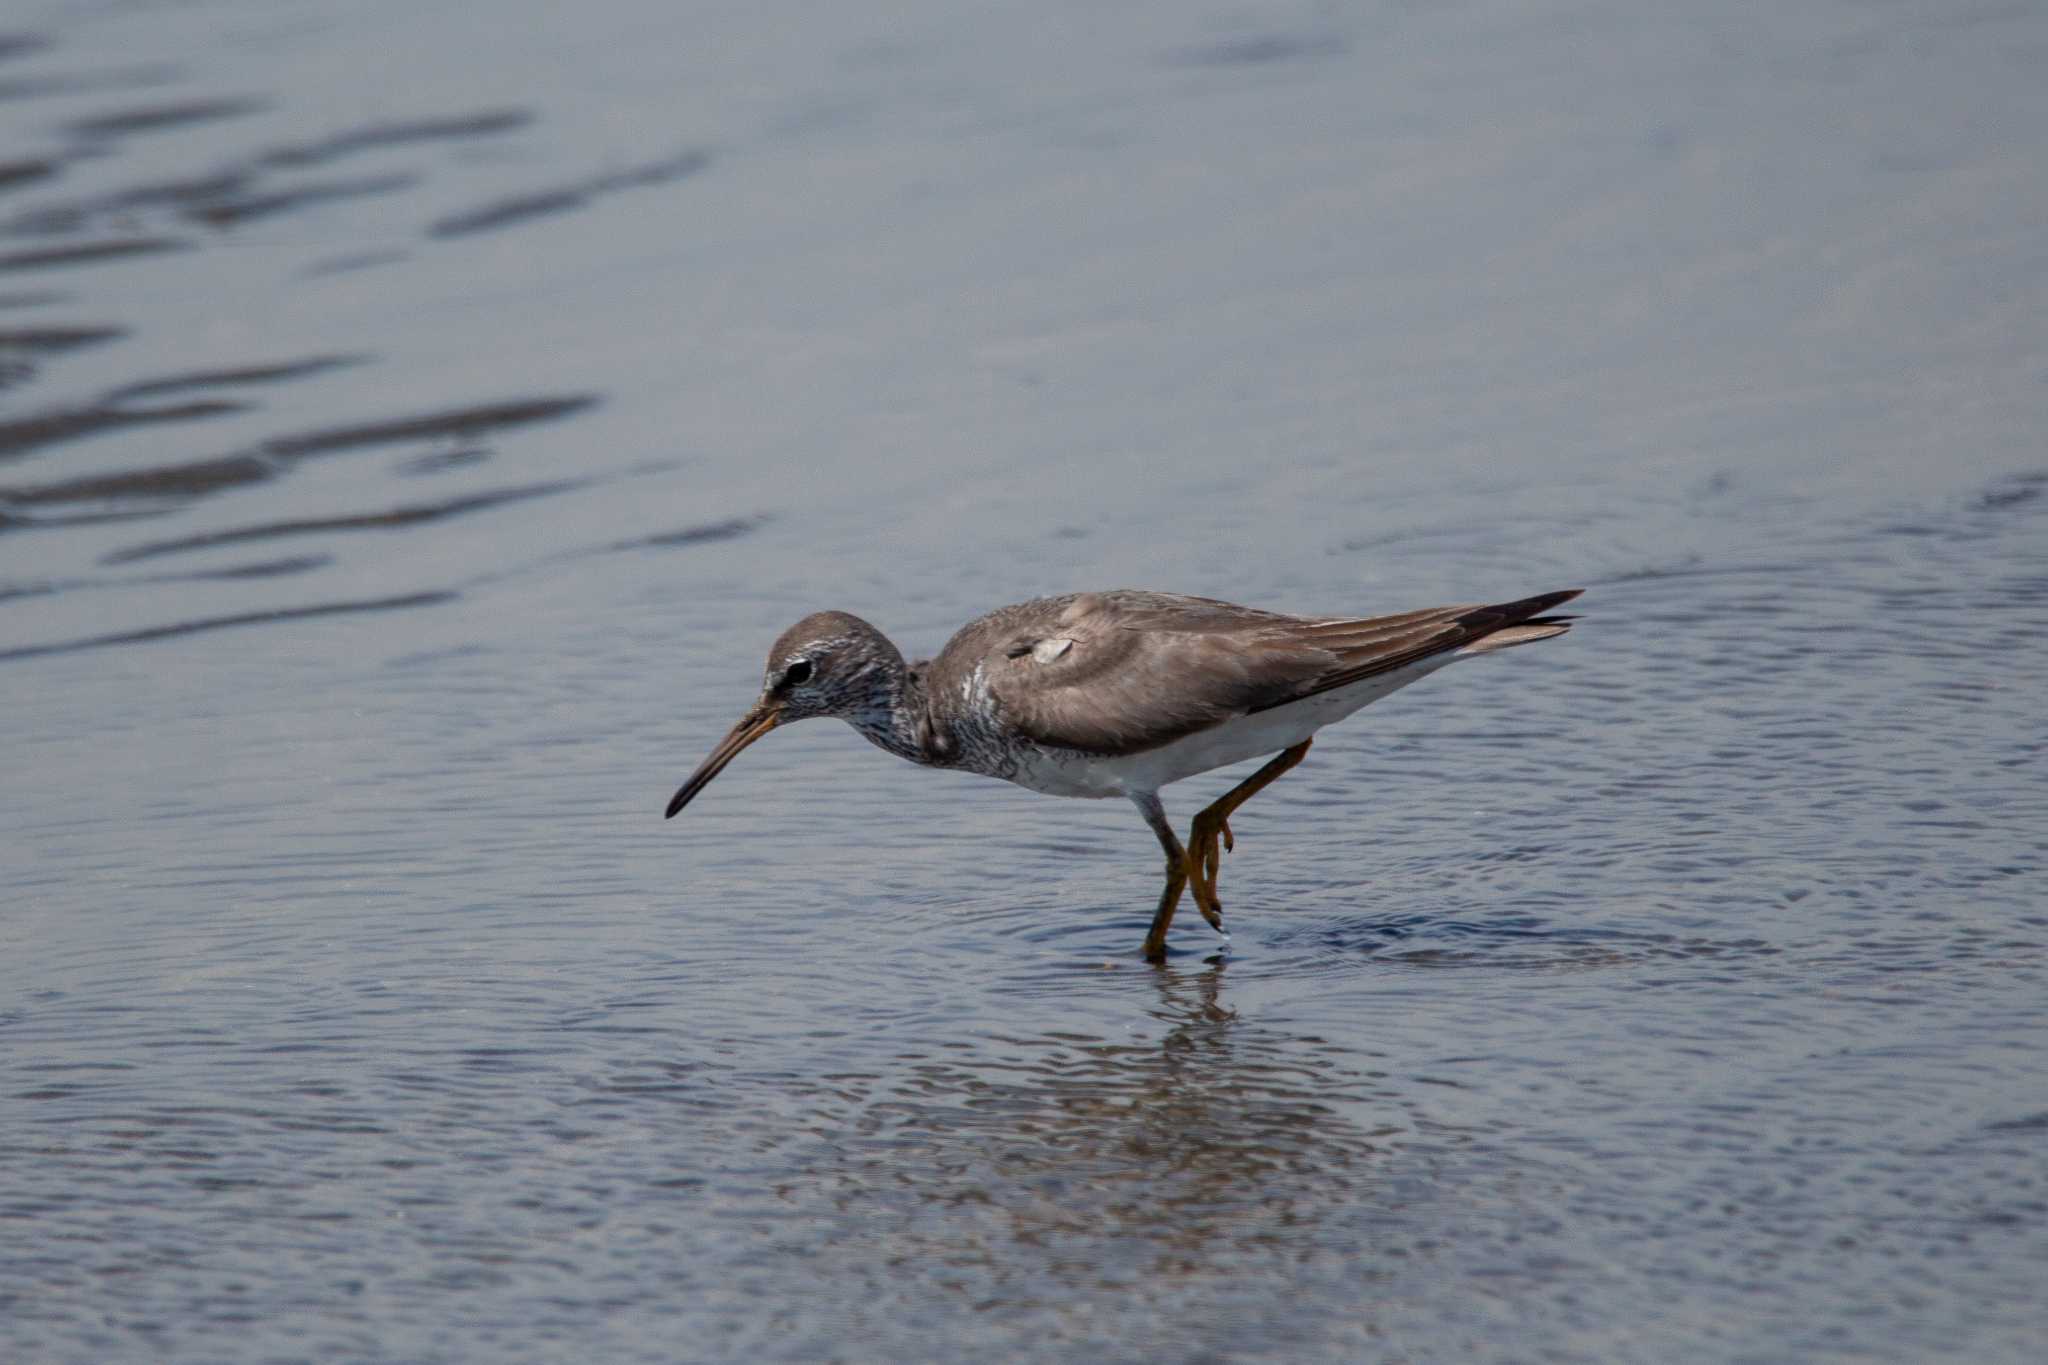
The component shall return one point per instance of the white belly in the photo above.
(1259, 735)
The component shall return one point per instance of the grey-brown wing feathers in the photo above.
(1382, 644)
(1119, 672)
(1122, 672)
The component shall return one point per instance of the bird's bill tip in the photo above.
(752, 726)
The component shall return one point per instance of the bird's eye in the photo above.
(797, 674)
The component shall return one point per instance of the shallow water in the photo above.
(414, 430)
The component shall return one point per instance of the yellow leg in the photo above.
(1176, 875)
(1162, 919)
(1204, 858)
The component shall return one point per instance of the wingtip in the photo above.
(1515, 613)
(1520, 623)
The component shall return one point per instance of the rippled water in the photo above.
(415, 425)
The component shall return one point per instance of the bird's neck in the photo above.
(893, 715)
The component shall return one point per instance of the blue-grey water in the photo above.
(417, 420)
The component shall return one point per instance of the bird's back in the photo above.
(1129, 670)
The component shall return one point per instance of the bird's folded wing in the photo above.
(1127, 672)
(1126, 691)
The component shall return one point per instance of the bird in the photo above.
(1119, 693)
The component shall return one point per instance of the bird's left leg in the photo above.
(1204, 858)
(1176, 873)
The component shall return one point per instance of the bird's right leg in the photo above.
(1176, 873)
(1213, 824)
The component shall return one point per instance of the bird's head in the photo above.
(830, 663)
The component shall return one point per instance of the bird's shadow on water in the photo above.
(1274, 937)
(1500, 938)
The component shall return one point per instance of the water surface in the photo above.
(414, 429)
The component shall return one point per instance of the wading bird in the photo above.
(1119, 693)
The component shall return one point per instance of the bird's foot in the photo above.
(1206, 902)
(1204, 859)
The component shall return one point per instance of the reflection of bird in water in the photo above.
(1117, 694)
(1189, 1149)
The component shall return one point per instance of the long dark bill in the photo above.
(752, 726)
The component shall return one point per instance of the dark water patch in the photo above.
(19, 438)
(2012, 492)
(222, 199)
(21, 347)
(246, 190)
(732, 528)
(229, 211)
(2018, 591)
(355, 260)
(17, 521)
(433, 658)
(1096, 933)
(389, 518)
(1514, 942)
(1405, 536)
(232, 378)
(1260, 49)
(89, 253)
(263, 568)
(2031, 1123)
(10, 591)
(466, 424)
(377, 136)
(126, 79)
(266, 461)
(282, 614)
(505, 213)
(13, 45)
(159, 117)
(1912, 529)
(15, 174)
(441, 461)
(57, 340)
(115, 410)
(267, 568)
(71, 216)
(1694, 566)
(170, 481)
